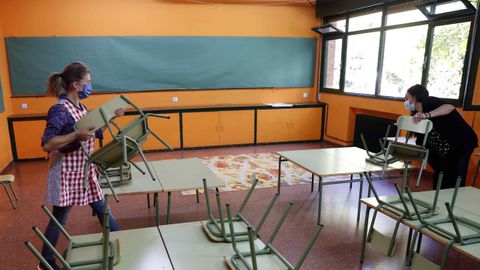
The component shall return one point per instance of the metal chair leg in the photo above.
(13, 191)
(8, 194)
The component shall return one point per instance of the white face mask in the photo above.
(409, 106)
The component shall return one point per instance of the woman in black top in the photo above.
(451, 141)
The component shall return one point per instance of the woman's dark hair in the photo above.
(57, 82)
(419, 92)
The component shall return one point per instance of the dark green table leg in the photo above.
(148, 200)
(169, 204)
(320, 188)
(198, 199)
(360, 191)
(313, 179)
(157, 208)
(364, 237)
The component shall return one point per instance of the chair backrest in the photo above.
(405, 122)
(96, 119)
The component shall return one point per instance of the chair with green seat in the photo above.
(239, 260)
(449, 228)
(115, 157)
(6, 181)
(77, 256)
(216, 228)
(402, 207)
(409, 153)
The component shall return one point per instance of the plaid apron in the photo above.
(66, 175)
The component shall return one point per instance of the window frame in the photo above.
(384, 8)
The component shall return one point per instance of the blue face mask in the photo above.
(87, 90)
(409, 106)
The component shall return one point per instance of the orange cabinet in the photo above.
(295, 124)
(28, 135)
(218, 128)
(201, 129)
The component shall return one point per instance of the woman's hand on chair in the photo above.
(119, 112)
(419, 116)
(84, 133)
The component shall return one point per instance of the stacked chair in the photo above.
(471, 234)
(408, 153)
(239, 260)
(76, 255)
(234, 229)
(379, 157)
(113, 160)
(402, 207)
(217, 228)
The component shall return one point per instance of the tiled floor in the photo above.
(338, 246)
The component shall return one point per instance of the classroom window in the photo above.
(340, 24)
(402, 17)
(447, 59)
(362, 22)
(383, 53)
(403, 59)
(361, 63)
(333, 63)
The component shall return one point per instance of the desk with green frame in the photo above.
(172, 175)
(466, 205)
(333, 162)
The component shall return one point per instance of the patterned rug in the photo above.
(237, 171)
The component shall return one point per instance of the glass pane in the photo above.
(339, 24)
(333, 62)
(447, 59)
(405, 17)
(449, 7)
(362, 22)
(403, 59)
(361, 63)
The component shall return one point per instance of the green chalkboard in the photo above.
(121, 64)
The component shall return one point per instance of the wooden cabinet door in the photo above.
(201, 129)
(305, 124)
(28, 135)
(273, 125)
(236, 127)
(167, 129)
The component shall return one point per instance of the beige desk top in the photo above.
(466, 206)
(189, 248)
(140, 249)
(334, 161)
(172, 175)
(185, 174)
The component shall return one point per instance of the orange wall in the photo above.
(5, 153)
(29, 18)
(156, 17)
